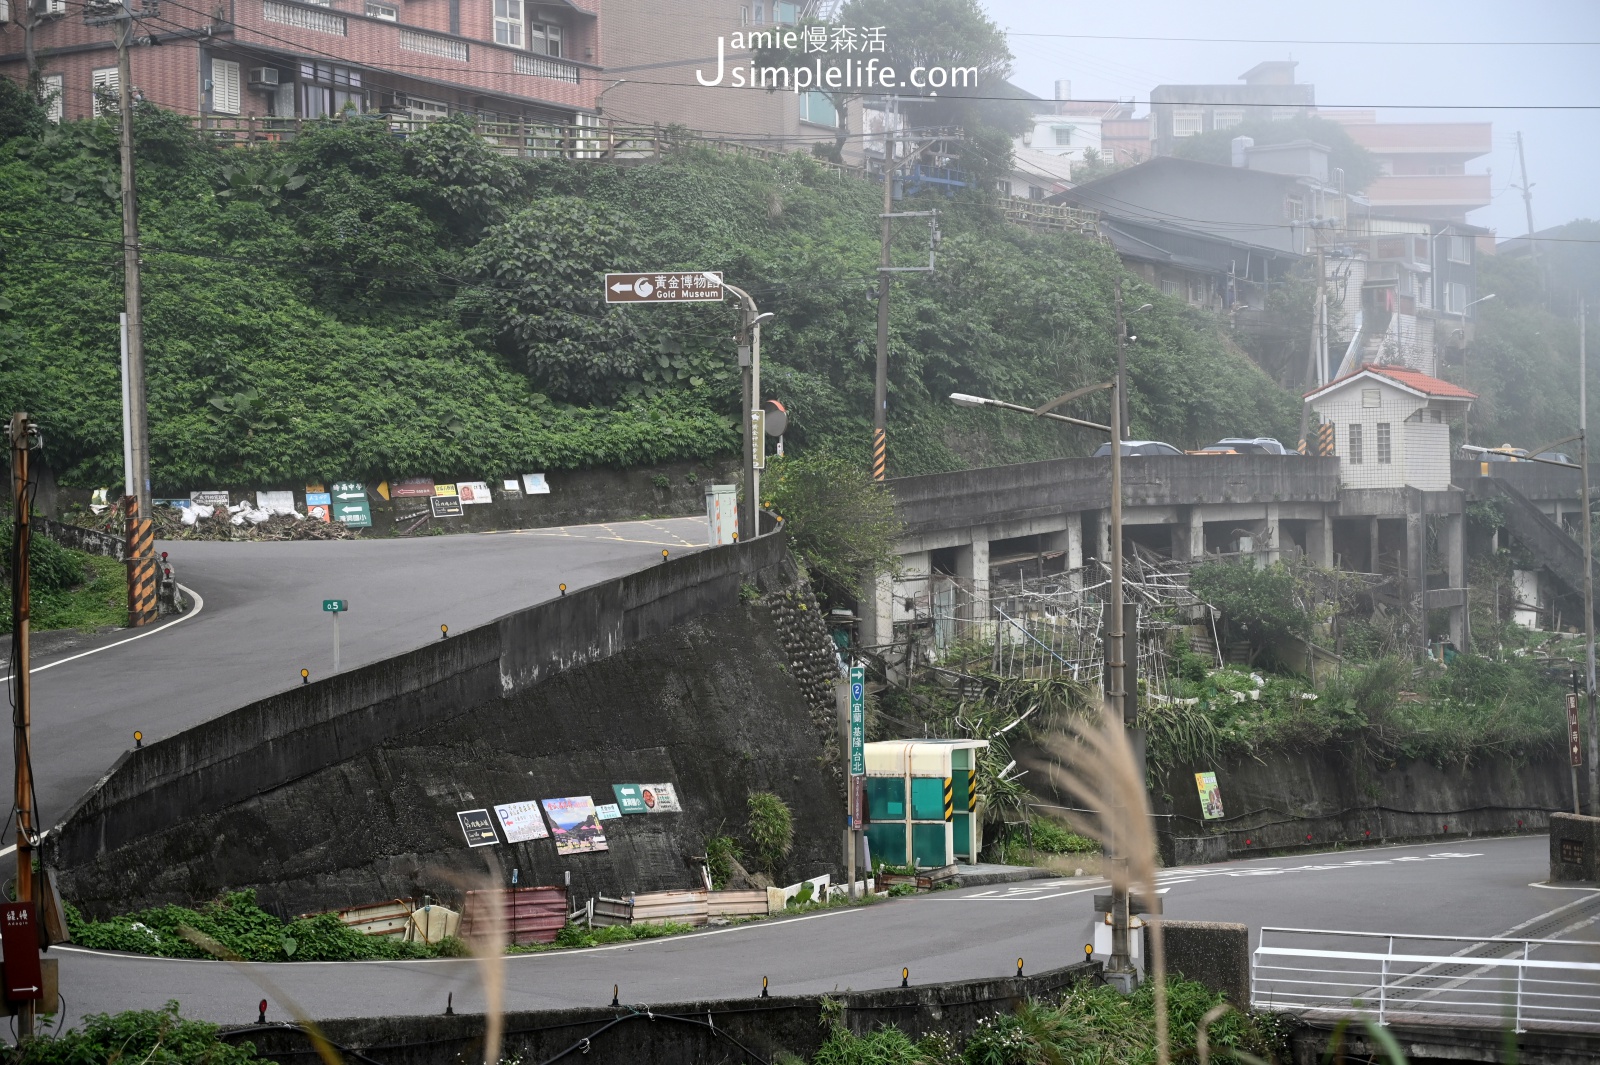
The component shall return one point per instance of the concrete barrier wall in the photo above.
(679, 1033)
(1062, 486)
(285, 737)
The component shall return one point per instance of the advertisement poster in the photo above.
(477, 827)
(575, 825)
(533, 484)
(1210, 795)
(412, 486)
(630, 798)
(660, 799)
(473, 492)
(521, 821)
(510, 486)
(275, 502)
(445, 490)
(319, 505)
(608, 812)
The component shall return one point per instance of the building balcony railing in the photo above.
(1440, 190)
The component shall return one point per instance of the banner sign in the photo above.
(660, 798)
(521, 821)
(575, 825)
(350, 504)
(473, 492)
(1210, 795)
(630, 798)
(412, 486)
(858, 721)
(477, 827)
(275, 502)
(533, 484)
(319, 505)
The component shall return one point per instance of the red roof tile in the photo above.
(1413, 379)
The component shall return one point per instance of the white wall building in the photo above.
(1391, 426)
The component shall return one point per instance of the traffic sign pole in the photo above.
(1574, 744)
(858, 764)
(335, 607)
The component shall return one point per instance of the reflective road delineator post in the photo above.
(335, 607)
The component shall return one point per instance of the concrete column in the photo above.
(1455, 553)
(1416, 563)
(1102, 549)
(1075, 549)
(1274, 544)
(1319, 541)
(877, 611)
(972, 568)
(1197, 534)
(1372, 540)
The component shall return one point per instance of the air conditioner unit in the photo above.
(263, 75)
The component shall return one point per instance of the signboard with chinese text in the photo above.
(668, 286)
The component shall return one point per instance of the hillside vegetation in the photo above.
(352, 304)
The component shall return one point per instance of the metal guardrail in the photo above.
(1417, 979)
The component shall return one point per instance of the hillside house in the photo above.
(1391, 426)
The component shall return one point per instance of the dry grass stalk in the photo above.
(1094, 762)
(257, 975)
(489, 950)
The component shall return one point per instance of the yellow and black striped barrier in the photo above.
(972, 791)
(880, 454)
(1324, 439)
(141, 566)
(949, 799)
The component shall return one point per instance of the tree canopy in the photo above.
(1359, 165)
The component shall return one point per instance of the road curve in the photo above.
(263, 622)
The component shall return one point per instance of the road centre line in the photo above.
(199, 605)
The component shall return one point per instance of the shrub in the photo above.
(771, 830)
(136, 1037)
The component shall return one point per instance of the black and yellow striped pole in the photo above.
(880, 453)
(141, 551)
(972, 790)
(949, 799)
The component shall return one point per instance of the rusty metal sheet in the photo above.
(612, 911)
(738, 903)
(391, 917)
(528, 915)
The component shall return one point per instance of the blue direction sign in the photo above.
(350, 504)
(858, 721)
(335, 606)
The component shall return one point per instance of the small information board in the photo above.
(858, 721)
(19, 936)
(630, 798)
(668, 286)
(477, 827)
(335, 606)
(446, 506)
(350, 504)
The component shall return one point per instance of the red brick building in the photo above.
(231, 60)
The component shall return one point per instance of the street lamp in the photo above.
(1116, 637)
(750, 378)
(1477, 301)
(1122, 357)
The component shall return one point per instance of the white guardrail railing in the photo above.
(1417, 979)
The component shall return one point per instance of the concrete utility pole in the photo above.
(141, 540)
(880, 382)
(1527, 195)
(750, 376)
(1588, 559)
(24, 437)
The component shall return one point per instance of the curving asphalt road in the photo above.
(262, 621)
(1468, 887)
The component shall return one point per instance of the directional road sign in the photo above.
(858, 721)
(1573, 744)
(350, 504)
(671, 286)
(23, 978)
(335, 606)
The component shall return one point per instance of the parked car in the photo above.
(1247, 445)
(1133, 448)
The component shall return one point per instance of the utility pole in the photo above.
(750, 376)
(1120, 413)
(1316, 360)
(141, 539)
(24, 437)
(1527, 204)
(880, 383)
(1588, 559)
(32, 15)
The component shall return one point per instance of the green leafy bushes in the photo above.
(771, 831)
(136, 1037)
(68, 589)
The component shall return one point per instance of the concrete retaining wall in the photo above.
(1574, 847)
(678, 1033)
(345, 790)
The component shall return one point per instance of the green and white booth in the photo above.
(923, 806)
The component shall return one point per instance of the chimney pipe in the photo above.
(1242, 145)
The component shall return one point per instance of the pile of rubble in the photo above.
(241, 522)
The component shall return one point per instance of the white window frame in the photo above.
(509, 22)
(387, 12)
(1455, 298)
(811, 99)
(1170, 287)
(1353, 453)
(1062, 135)
(225, 98)
(1371, 397)
(545, 38)
(54, 86)
(55, 7)
(1385, 437)
(1463, 245)
(1227, 117)
(1188, 122)
(5, 10)
(104, 78)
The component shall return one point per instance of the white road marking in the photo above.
(199, 605)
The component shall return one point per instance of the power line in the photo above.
(1284, 40)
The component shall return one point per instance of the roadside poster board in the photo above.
(20, 937)
(210, 499)
(473, 492)
(446, 506)
(275, 502)
(319, 505)
(1210, 795)
(533, 484)
(350, 504)
(608, 812)
(521, 821)
(412, 486)
(630, 798)
(575, 824)
(477, 827)
(510, 486)
(660, 798)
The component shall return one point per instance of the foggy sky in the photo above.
(1563, 147)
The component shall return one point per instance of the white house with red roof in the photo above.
(1391, 426)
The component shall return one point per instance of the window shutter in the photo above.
(225, 86)
(54, 90)
(104, 81)
(55, 7)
